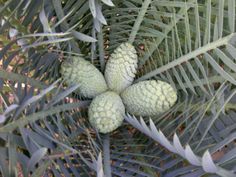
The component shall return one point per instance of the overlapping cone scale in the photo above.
(149, 98)
(106, 112)
(79, 71)
(121, 67)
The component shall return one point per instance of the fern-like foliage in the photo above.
(44, 127)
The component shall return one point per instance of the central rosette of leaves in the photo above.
(114, 93)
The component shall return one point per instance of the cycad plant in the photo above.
(130, 88)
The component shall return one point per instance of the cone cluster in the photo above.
(114, 93)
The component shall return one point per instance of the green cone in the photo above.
(149, 98)
(121, 67)
(106, 112)
(79, 71)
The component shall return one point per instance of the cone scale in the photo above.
(149, 98)
(106, 112)
(79, 71)
(121, 68)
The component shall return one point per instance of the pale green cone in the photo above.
(121, 67)
(106, 112)
(79, 71)
(149, 98)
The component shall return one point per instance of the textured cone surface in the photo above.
(121, 67)
(79, 71)
(106, 112)
(149, 98)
